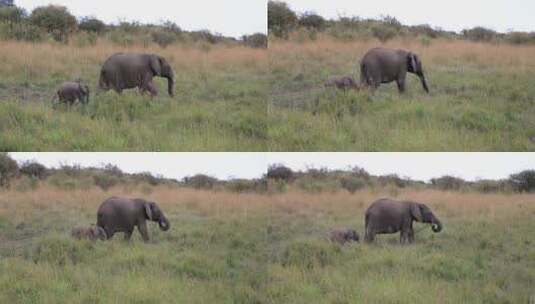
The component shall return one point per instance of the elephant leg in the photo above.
(411, 235)
(401, 85)
(128, 234)
(142, 228)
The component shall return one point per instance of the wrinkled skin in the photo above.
(92, 233)
(71, 91)
(118, 214)
(381, 65)
(342, 83)
(127, 70)
(343, 236)
(389, 216)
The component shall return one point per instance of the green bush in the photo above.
(21, 31)
(523, 181)
(200, 181)
(312, 21)
(258, 40)
(9, 169)
(163, 38)
(447, 182)
(11, 15)
(34, 170)
(383, 33)
(352, 184)
(56, 20)
(92, 25)
(105, 182)
(281, 19)
(479, 34)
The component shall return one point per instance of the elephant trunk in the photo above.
(436, 226)
(171, 85)
(424, 82)
(164, 223)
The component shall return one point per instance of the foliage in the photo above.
(92, 25)
(479, 34)
(312, 21)
(105, 182)
(279, 172)
(200, 181)
(163, 38)
(447, 182)
(8, 169)
(281, 19)
(56, 20)
(34, 169)
(352, 184)
(257, 40)
(523, 181)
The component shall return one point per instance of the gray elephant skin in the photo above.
(127, 70)
(70, 91)
(90, 233)
(119, 214)
(389, 216)
(381, 65)
(343, 236)
(342, 83)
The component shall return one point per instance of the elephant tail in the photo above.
(102, 83)
(363, 75)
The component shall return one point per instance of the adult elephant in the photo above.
(390, 216)
(119, 214)
(127, 70)
(381, 65)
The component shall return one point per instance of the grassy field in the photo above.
(482, 99)
(251, 248)
(219, 103)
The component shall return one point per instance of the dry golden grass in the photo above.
(441, 51)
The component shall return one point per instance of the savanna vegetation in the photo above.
(220, 92)
(481, 95)
(254, 247)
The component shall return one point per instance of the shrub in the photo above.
(9, 169)
(258, 40)
(163, 38)
(92, 25)
(22, 31)
(352, 184)
(84, 39)
(383, 33)
(424, 30)
(241, 185)
(34, 170)
(56, 20)
(121, 38)
(200, 181)
(11, 15)
(479, 34)
(523, 181)
(281, 19)
(147, 177)
(172, 27)
(312, 21)
(447, 182)
(280, 172)
(520, 38)
(105, 182)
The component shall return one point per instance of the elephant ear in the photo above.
(148, 210)
(412, 63)
(416, 212)
(156, 65)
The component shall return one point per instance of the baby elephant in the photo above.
(342, 83)
(90, 233)
(343, 236)
(71, 91)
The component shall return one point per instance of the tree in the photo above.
(6, 3)
(280, 172)
(281, 19)
(92, 24)
(257, 40)
(34, 170)
(312, 21)
(523, 181)
(8, 169)
(56, 20)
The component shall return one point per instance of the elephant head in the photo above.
(98, 233)
(422, 213)
(160, 67)
(352, 235)
(85, 91)
(155, 214)
(414, 65)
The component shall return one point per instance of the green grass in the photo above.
(228, 248)
(473, 105)
(219, 104)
